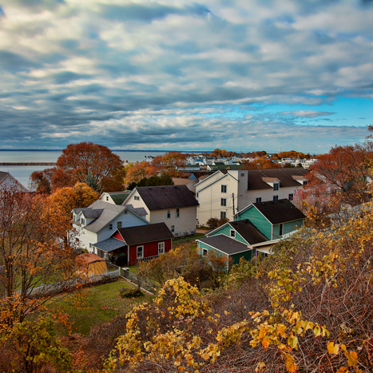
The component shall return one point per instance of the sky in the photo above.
(176, 75)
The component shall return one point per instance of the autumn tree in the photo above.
(259, 163)
(170, 163)
(134, 172)
(78, 161)
(340, 176)
(32, 233)
(41, 181)
(67, 198)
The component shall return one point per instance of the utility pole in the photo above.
(233, 204)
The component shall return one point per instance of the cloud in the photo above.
(124, 72)
(307, 113)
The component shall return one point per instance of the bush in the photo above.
(130, 293)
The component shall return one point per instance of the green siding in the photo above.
(287, 228)
(226, 231)
(248, 255)
(258, 220)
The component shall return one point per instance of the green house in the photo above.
(233, 240)
(273, 218)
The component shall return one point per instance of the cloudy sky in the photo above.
(178, 75)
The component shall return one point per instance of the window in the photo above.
(204, 252)
(224, 189)
(137, 198)
(223, 214)
(275, 198)
(223, 202)
(233, 233)
(168, 214)
(160, 248)
(275, 186)
(119, 224)
(140, 252)
(172, 228)
(242, 175)
(177, 213)
(280, 229)
(107, 198)
(305, 182)
(258, 199)
(110, 226)
(291, 196)
(82, 221)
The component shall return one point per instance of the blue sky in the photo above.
(172, 74)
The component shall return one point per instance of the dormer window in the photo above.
(275, 186)
(82, 221)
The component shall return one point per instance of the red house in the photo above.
(128, 246)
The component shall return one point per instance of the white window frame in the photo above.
(276, 186)
(119, 224)
(205, 252)
(258, 199)
(178, 213)
(223, 188)
(168, 214)
(233, 233)
(223, 214)
(275, 198)
(142, 252)
(110, 226)
(161, 248)
(223, 202)
(107, 198)
(136, 198)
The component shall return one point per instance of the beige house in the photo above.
(173, 205)
(224, 193)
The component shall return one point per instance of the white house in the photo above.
(224, 193)
(173, 205)
(8, 181)
(100, 220)
(116, 198)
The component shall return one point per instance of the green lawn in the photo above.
(98, 304)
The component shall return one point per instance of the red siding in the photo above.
(150, 249)
(118, 236)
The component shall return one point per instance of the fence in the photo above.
(140, 281)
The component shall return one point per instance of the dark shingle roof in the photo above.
(166, 197)
(3, 175)
(110, 244)
(280, 211)
(248, 231)
(145, 233)
(225, 244)
(138, 210)
(285, 175)
(92, 213)
(119, 198)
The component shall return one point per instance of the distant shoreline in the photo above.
(27, 163)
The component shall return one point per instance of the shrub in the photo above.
(130, 293)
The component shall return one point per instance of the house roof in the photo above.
(248, 231)
(137, 210)
(92, 213)
(280, 211)
(109, 212)
(119, 197)
(182, 181)
(285, 175)
(224, 244)
(109, 244)
(166, 197)
(88, 258)
(145, 233)
(3, 175)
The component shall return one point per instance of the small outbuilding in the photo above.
(92, 264)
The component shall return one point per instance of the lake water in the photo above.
(22, 173)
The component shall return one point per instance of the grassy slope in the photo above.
(98, 304)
